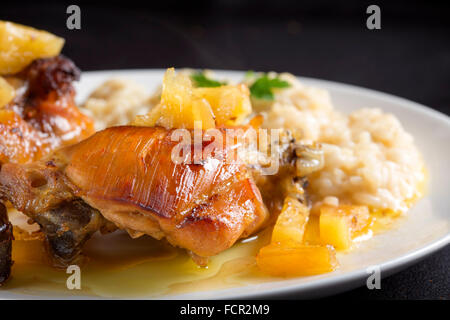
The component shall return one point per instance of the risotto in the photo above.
(117, 102)
(369, 158)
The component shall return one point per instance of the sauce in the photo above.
(118, 266)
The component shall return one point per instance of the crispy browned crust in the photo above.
(50, 75)
(6, 238)
(43, 115)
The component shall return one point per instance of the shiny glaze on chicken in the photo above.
(43, 115)
(128, 175)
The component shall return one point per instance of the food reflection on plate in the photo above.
(206, 183)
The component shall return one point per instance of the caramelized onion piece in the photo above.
(310, 159)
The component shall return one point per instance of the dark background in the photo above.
(408, 57)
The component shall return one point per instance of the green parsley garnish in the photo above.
(249, 74)
(262, 87)
(200, 80)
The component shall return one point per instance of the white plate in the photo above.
(425, 230)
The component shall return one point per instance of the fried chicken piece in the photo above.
(43, 115)
(127, 173)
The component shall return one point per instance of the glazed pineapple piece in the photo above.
(300, 260)
(6, 92)
(179, 108)
(183, 106)
(20, 45)
(230, 103)
(339, 225)
(291, 223)
(288, 255)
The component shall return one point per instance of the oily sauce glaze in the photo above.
(119, 266)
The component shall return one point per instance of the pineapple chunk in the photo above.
(312, 231)
(7, 92)
(301, 260)
(182, 105)
(335, 230)
(230, 104)
(291, 222)
(178, 108)
(338, 225)
(286, 256)
(20, 45)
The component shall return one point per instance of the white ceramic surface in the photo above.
(425, 230)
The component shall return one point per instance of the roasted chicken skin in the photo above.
(128, 175)
(43, 115)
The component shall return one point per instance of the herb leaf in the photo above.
(249, 74)
(262, 87)
(200, 80)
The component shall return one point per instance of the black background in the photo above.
(408, 57)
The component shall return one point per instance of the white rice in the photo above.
(369, 158)
(117, 102)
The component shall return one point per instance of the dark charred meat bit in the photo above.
(46, 76)
(67, 227)
(43, 115)
(6, 237)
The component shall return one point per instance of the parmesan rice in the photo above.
(117, 102)
(369, 158)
